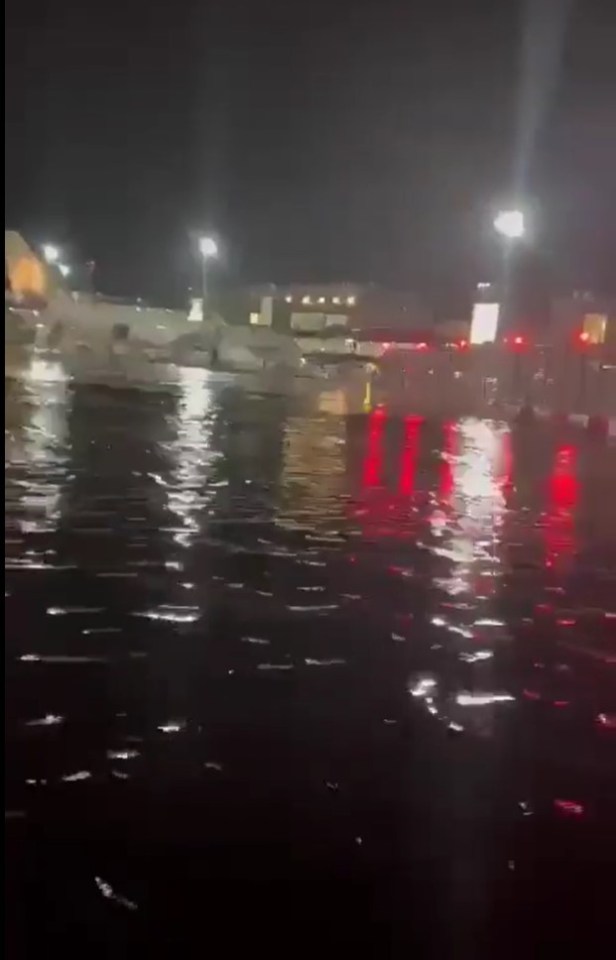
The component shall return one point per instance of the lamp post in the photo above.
(208, 248)
(509, 224)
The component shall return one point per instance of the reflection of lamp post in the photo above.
(208, 248)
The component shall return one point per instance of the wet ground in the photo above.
(287, 683)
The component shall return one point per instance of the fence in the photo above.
(479, 379)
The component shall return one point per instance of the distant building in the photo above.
(28, 280)
(324, 309)
(583, 312)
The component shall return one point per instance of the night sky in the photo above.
(364, 140)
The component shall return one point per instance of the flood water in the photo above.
(283, 682)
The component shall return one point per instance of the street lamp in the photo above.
(510, 223)
(208, 248)
(51, 253)
(64, 269)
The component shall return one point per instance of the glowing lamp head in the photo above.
(51, 253)
(510, 223)
(583, 338)
(64, 269)
(208, 247)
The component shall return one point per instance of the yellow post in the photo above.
(367, 405)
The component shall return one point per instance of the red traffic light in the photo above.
(517, 342)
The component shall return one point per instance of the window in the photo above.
(595, 325)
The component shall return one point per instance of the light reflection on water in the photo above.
(319, 629)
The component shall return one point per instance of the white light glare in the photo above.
(482, 699)
(422, 687)
(64, 269)
(51, 253)
(510, 223)
(208, 247)
(484, 323)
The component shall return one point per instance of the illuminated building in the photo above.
(584, 312)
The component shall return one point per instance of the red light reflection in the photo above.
(380, 511)
(409, 455)
(563, 496)
(373, 461)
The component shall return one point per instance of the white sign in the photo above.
(484, 324)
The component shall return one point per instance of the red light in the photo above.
(606, 720)
(518, 343)
(463, 344)
(422, 346)
(584, 337)
(571, 808)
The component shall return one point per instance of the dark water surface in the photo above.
(282, 682)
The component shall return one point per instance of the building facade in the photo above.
(325, 309)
